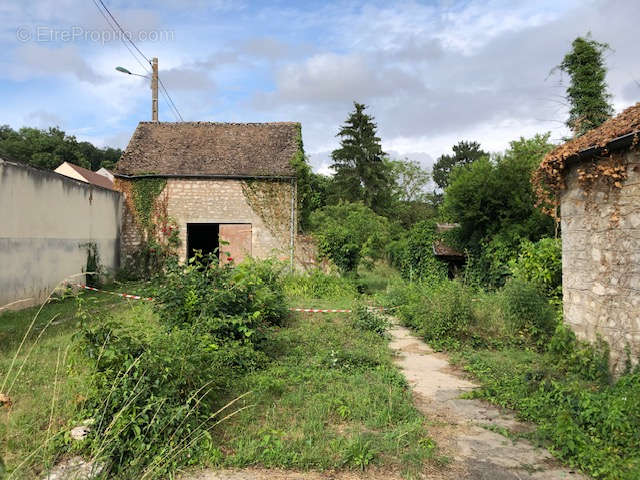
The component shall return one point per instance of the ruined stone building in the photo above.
(599, 179)
(230, 186)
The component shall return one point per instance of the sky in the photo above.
(432, 73)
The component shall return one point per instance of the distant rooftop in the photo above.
(82, 173)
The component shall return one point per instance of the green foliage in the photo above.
(527, 312)
(350, 233)
(588, 422)
(160, 233)
(361, 175)
(441, 313)
(366, 319)
(145, 191)
(305, 196)
(156, 389)
(318, 284)
(464, 153)
(540, 263)
(330, 399)
(49, 148)
(489, 197)
(93, 267)
(228, 301)
(410, 180)
(414, 256)
(587, 91)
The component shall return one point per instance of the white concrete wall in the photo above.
(44, 220)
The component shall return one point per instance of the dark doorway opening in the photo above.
(202, 237)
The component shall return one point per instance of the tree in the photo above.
(464, 153)
(360, 171)
(496, 196)
(347, 233)
(587, 92)
(49, 148)
(409, 180)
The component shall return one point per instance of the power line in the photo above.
(170, 99)
(106, 18)
(126, 35)
(166, 100)
(164, 90)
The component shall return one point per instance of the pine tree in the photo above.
(587, 93)
(360, 171)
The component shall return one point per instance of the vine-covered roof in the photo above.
(554, 163)
(211, 149)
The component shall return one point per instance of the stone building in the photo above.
(600, 220)
(230, 186)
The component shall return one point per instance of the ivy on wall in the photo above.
(303, 179)
(159, 233)
(271, 201)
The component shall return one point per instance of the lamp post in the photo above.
(154, 85)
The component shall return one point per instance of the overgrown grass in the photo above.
(508, 342)
(42, 390)
(330, 399)
(326, 395)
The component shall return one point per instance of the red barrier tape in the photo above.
(308, 310)
(123, 295)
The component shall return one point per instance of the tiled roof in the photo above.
(93, 177)
(208, 148)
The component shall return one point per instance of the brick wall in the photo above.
(220, 201)
(601, 262)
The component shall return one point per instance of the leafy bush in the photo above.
(232, 301)
(416, 260)
(590, 424)
(527, 312)
(157, 387)
(541, 264)
(366, 319)
(318, 284)
(349, 233)
(442, 314)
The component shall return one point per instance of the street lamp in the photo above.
(154, 85)
(124, 70)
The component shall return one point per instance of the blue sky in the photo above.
(432, 73)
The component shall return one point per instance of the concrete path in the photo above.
(461, 427)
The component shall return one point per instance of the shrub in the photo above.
(156, 388)
(442, 314)
(417, 262)
(319, 285)
(368, 320)
(527, 312)
(233, 301)
(349, 233)
(540, 263)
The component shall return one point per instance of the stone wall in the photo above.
(46, 221)
(224, 201)
(601, 261)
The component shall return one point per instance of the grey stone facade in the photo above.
(601, 261)
(221, 201)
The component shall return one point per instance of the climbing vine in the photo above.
(303, 179)
(606, 170)
(270, 200)
(159, 233)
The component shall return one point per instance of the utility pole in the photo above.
(154, 89)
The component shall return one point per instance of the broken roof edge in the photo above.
(618, 143)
